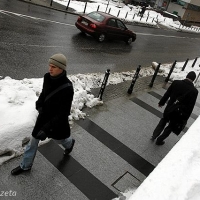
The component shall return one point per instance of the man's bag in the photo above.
(175, 111)
(176, 116)
(178, 126)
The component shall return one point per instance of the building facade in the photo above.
(188, 10)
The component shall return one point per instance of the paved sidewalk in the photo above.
(113, 150)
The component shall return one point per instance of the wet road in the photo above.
(29, 39)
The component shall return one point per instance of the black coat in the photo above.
(53, 114)
(177, 89)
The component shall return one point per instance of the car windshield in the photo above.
(96, 16)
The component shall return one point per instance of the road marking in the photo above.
(170, 36)
(30, 45)
(35, 18)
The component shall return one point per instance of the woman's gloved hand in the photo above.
(41, 135)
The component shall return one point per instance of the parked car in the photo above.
(104, 26)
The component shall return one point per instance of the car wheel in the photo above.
(101, 37)
(129, 40)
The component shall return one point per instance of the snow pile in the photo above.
(18, 114)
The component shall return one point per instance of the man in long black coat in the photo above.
(53, 105)
(177, 89)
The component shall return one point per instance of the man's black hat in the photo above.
(191, 75)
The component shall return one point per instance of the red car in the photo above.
(102, 26)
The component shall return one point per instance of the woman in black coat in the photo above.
(53, 105)
(183, 89)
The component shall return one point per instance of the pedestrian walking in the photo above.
(53, 106)
(180, 90)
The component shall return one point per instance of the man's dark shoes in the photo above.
(160, 143)
(18, 170)
(68, 151)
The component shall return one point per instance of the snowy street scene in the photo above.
(131, 14)
(114, 156)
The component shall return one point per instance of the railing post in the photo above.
(185, 65)
(118, 13)
(126, 15)
(154, 76)
(147, 17)
(109, 10)
(98, 8)
(51, 2)
(170, 72)
(85, 7)
(194, 62)
(68, 5)
(134, 80)
(103, 85)
(107, 5)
